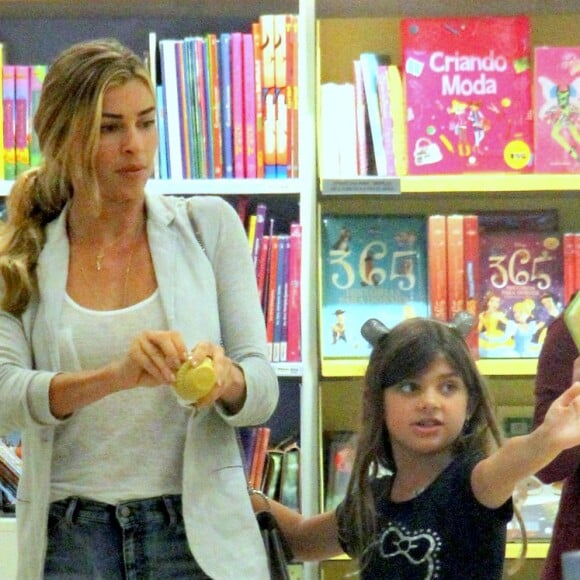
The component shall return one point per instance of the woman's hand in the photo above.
(152, 360)
(230, 387)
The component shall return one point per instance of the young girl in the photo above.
(430, 492)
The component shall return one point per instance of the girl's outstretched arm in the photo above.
(313, 538)
(494, 478)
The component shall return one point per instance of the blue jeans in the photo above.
(134, 540)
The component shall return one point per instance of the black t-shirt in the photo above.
(444, 533)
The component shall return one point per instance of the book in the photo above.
(261, 210)
(281, 94)
(569, 248)
(292, 84)
(259, 457)
(171, 100)
(215, 152)
(471, 276)
(237, 69)
(257, 39)
(455, 265)
(270, 289)
(572, 319)
(385, 109)
(437, 266)
(37, 76)
(249, 92)
(468, 94)
(361, 120)
(369, 62)
(372, 266)
(557, 109)
(521, 275)
(226, 103)
(397, 103)
(9, 118)
(341, 447)
(279, 343)
(294, 351)
(22, 117)
(1, 112)
(268, 34)
(290, 477)
(273, 473)
(262, 268)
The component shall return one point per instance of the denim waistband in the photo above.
(137, 511)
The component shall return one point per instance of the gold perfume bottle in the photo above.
(194, 382)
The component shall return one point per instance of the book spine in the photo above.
(262, 268)
(162, 130)
(281, 281)
(294, 288)
(215, 109)
(361, 121)
(2, 176)
(281, 80)
(249, 91)
(226, 106)
(271, 298)
(171, 99)
(37, 76)
(369, 65)
(386, 119)
(292, 92)
(569, 243)
(203, 137)
(455, 266)
(184, 108)
(22, 118)
(397, 103)
(8, 102)
(471, 277)
(257, 38)
(261, 210)
(191, 99)
(437, 266)
(238, 104)
(268, 93)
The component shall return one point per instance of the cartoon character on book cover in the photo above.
(372, 267)
(557, 109)
(521, 285)
(468, 94)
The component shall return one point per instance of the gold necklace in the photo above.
(101, 253)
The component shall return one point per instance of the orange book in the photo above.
(570, 284)
(214, 108)
(259, 457)
(471, 276)
(257, 37)
(455, 265)
(292, 93)
(268, 37)
(281, 82)
(437, 266)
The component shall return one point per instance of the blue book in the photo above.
(373, 266)
(226, 104)
(162, 131)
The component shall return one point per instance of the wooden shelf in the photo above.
(488, 367)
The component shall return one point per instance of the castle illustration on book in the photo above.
(372, 267)
(468, 94)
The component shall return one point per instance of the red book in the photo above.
(455, 266)
(570, 284)
(249, 85)
(471, 276)
(437, 266)
(271, 293)
(8, 103)
(262, 268)
(292, 93)
(294, 353)
(521, 291)
(259, 457)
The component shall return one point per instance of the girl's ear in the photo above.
(373, 330)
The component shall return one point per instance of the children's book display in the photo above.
(557, 109)
(521, 291)
(468, 94)
(372, 267)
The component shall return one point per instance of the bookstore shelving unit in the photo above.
(344, 30)
(35, 31)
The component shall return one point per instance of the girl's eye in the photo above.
(450, 387)
(406, 387)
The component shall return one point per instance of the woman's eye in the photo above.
(108, 128)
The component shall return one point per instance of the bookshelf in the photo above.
(23, 30)
(347, 29)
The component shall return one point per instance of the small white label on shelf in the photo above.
(362, 186)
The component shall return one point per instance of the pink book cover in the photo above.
(22, 135)
(557, 109)
(8, 103)
(294, 276)
(249, 84)
(238, 103)
(386, 118)
(361, 120)
(521, 291)
(468, 94)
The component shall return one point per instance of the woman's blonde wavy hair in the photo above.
(67, 123)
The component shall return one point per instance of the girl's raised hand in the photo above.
(562, 421)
